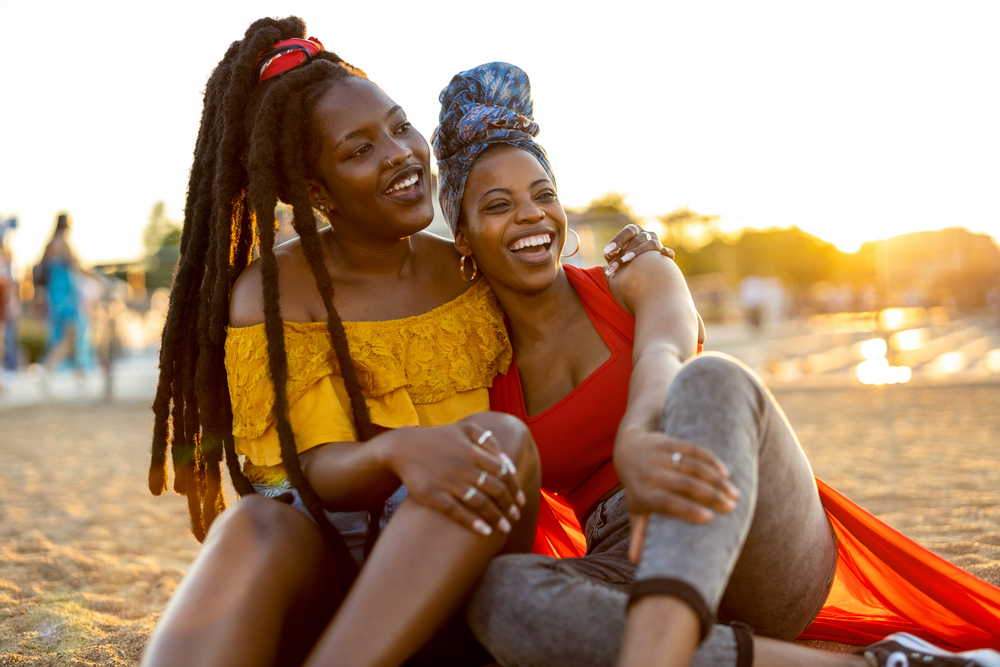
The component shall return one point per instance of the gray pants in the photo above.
(768, 564)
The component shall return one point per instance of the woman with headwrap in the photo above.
(682, 463)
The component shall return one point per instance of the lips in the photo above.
(407, 185)
(533, 247)
(530, 241)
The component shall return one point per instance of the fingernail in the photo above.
(510, 464)
(731, 504)
(704, 515)
(482, 527)
(504, 525)
(627, 257)
(514, 513)
(733, 491)
(610, 247)
(521, 499)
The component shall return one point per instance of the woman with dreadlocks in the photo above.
(365, 328)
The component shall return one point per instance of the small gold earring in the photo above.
(461, 268)
(570, 229)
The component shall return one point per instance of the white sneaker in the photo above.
(905, 650)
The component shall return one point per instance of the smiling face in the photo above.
(512, 221)
(372, 167)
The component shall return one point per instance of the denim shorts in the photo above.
(352, 526)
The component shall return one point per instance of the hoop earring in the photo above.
(570, 229)
(461, 268)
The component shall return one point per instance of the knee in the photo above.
(514, 439)
(715, 368)
(714, 378)
(263, 531)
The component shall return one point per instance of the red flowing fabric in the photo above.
(885, 582)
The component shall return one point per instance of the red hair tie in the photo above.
(286, 55)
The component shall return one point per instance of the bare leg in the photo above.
(660, 626)
(258, 593)
(62, 349)
(422, 570)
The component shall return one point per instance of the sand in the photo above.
(88, 559)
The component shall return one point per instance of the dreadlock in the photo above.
(252, 151)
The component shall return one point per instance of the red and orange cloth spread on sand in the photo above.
(885, 582)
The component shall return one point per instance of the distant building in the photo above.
(596, 229)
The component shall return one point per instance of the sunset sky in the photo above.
(852, 120)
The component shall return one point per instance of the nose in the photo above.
(397, 154)
(528, 212)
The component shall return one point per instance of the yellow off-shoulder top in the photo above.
(427, 370)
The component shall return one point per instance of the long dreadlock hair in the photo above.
(255, 146)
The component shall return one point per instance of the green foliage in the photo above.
(160, 230)
(684, 228)
(612, 202)
(161, 237)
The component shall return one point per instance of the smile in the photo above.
(403, 184)
(530, 241)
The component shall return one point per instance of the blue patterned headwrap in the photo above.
(489, 104)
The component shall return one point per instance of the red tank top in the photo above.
(576, 436)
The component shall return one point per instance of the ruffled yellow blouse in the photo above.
(427, 370)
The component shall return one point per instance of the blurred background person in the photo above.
(57, 281)
(10, 305)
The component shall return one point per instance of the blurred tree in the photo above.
(612, 202)
(159, 230)
(684, 228)
(161, 238)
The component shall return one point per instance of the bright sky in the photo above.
(853, 120)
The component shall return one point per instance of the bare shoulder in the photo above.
(649, 276)
(246, 303)
(441, 256)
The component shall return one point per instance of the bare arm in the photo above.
(667, 332)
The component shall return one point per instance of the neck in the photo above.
(368, 256)
(534, 317)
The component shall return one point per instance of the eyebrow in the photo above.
(508, 191)
(357, 133)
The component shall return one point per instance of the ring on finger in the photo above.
(482, 479)
(506, 466)
(676, 458)
(484, 437)
(470, 494)
(648, 236)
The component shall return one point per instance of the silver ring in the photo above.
(482, 479)
(470, 494)
(507, 466)
(649, 237)
(484, 437)
(676, 458)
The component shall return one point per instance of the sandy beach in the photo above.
(88, 558)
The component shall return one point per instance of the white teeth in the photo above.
(530, 241)
(404, 184)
